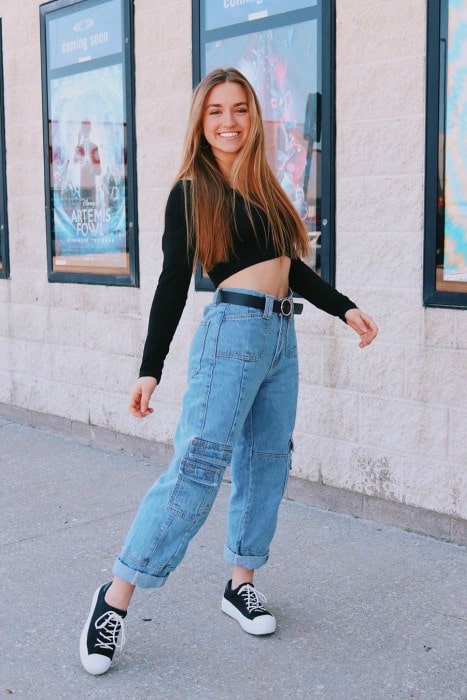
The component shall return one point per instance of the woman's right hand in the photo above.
(140, 394)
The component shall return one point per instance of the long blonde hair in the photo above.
(210, 199)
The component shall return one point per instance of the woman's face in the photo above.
(226, 121)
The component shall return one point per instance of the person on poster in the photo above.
(87, 156)
(240, 403)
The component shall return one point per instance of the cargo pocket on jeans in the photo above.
(195, 490)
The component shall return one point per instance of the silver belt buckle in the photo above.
(286, 307)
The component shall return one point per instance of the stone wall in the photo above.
(388, 422)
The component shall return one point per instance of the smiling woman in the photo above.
(226, 123)
(228, 210)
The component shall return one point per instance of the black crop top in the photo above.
(250, 246)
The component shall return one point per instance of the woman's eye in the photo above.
(214, 113)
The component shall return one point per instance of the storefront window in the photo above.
(279, 47)
(87, 67)
(445, 274)
(4, 260)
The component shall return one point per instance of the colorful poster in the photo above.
(223, 13)
(281, 64)
(87, 70)
(88, 164)
(455, 186)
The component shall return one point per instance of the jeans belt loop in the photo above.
(268, 304)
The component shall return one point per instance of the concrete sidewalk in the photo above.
(364, 611)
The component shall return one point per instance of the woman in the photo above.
(227, 210)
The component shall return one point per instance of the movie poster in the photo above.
(89, 133)
(87, 166)
(281, 64)
(455, 193)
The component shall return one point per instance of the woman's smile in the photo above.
(226, 121)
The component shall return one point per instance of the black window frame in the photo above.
(326, 63)
(132, 278)
(4, 246)
(436, 66)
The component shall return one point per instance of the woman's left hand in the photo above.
(363, 325)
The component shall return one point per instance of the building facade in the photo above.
(381, 433)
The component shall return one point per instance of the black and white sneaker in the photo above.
(99, 637)
(246, 605)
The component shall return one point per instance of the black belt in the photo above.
(280, 306)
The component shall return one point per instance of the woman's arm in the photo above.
(311, 287)
(172, 288)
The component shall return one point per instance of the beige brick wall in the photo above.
(396, 419)
(389, 421)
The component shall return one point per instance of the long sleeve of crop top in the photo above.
(172, 288)
(174, 281)
(307, 284)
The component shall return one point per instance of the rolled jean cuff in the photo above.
(248, 562)
(137, 578)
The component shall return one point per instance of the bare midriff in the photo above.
(270, 277)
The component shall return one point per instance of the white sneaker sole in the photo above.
(95, 664)
(264, 624)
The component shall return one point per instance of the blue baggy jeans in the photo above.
(238, 410)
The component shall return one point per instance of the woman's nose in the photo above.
(229, 118)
